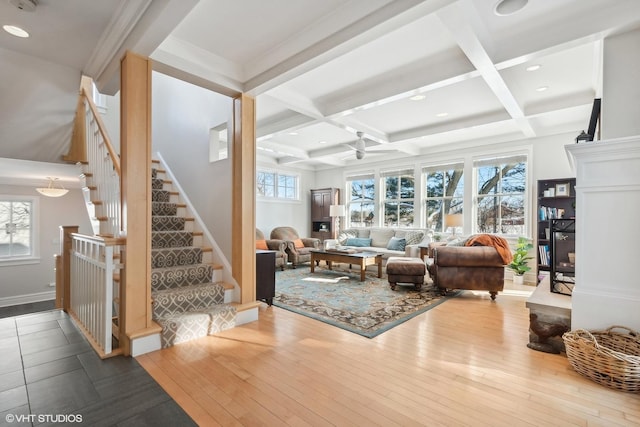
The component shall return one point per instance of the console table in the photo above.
(265, 275)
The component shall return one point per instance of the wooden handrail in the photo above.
(101, 127)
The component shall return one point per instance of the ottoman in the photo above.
(406, 270)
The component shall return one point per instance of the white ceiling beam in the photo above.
(288, 121)
(454, 17)
(391, 16)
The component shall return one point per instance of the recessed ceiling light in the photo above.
(542, 88)
(293, 133)
(417, 97)
(15, 31)
(534, 67)
(322, 142)
(442, 114)
(509, 7)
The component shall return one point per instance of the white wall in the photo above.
(621, 86)
(182, 115)
(29, 283)
(272, 213)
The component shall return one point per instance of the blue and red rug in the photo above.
(339, 298)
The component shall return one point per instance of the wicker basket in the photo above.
(607, 357)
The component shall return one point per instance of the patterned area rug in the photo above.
(338, 298)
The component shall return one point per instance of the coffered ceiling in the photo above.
(409, 74)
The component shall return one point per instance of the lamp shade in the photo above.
(336, 210)
(453, 220)
(51, 190)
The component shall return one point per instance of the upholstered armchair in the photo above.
(278, 246)
(298, 249)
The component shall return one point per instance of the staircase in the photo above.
(188, 297)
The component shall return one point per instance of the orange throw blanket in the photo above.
(501, 245)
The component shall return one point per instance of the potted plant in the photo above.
(520, 260)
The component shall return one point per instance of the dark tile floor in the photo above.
(50, 375)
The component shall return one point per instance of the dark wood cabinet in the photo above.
(556, 200)
(265, 276)
(323, 226)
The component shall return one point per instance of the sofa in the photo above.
(298, 248)
(469, 264)
(279, 246)
(390, 242)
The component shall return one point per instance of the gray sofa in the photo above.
(387, 241)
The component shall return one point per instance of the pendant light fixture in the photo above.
(51, 190)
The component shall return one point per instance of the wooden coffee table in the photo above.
(363, 259)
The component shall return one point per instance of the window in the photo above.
(361, 204)
(501, 187)
(272, 184)
(444, 193)
(399, 191)
(17, 228)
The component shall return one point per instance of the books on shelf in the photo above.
(546, 212)
(544, 255)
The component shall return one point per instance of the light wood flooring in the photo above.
(465, 362)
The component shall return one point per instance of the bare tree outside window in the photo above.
(15, 233)
(501, 195)
(399, 191)
(444, 186)
(361, 203)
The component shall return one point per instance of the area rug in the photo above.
(339, 298)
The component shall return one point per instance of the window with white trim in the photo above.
(277, 186)
(444, 193)
(17, 228)
(398, 188)
(361, 202)
(501, 195)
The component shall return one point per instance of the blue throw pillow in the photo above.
(396, 244)
(358, 242)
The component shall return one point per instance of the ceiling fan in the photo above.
(360, 147)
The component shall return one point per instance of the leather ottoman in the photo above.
(406, 270)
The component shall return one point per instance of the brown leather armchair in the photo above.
(467, 267)
(276, 245)
(298, 248)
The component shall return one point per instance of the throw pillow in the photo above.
(358, 242)
(457, 242)
(261, 244)
(413, 237)
(342, 238)
(298, 243)
(380, 236)
(396, 244)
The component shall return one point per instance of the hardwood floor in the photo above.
(465, 362)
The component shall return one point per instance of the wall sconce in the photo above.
(51, 190)
(453, 221)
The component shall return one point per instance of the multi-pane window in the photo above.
(501, 195)
(275, 185)
(16, 228)
(444, 193)
(361, 203)
(398, 188)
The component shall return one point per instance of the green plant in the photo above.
(521, 256)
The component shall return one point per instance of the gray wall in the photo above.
(29, 283)
(182, 116)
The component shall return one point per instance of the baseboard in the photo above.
(145, 344)
(246, 316)
(26, 299)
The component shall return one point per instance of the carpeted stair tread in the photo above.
(164, 208)
(182, 327)
(175, 277)
(160, 196)
(167, 222)
(188, 298)
(157, 184)
(170, 257)
(171, 239)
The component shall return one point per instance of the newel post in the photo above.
(63, 267)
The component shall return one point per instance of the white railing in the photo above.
(103, 165)
(95, 295)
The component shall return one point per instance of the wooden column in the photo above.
(244, 197)
(135, 151)
(63, 268)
